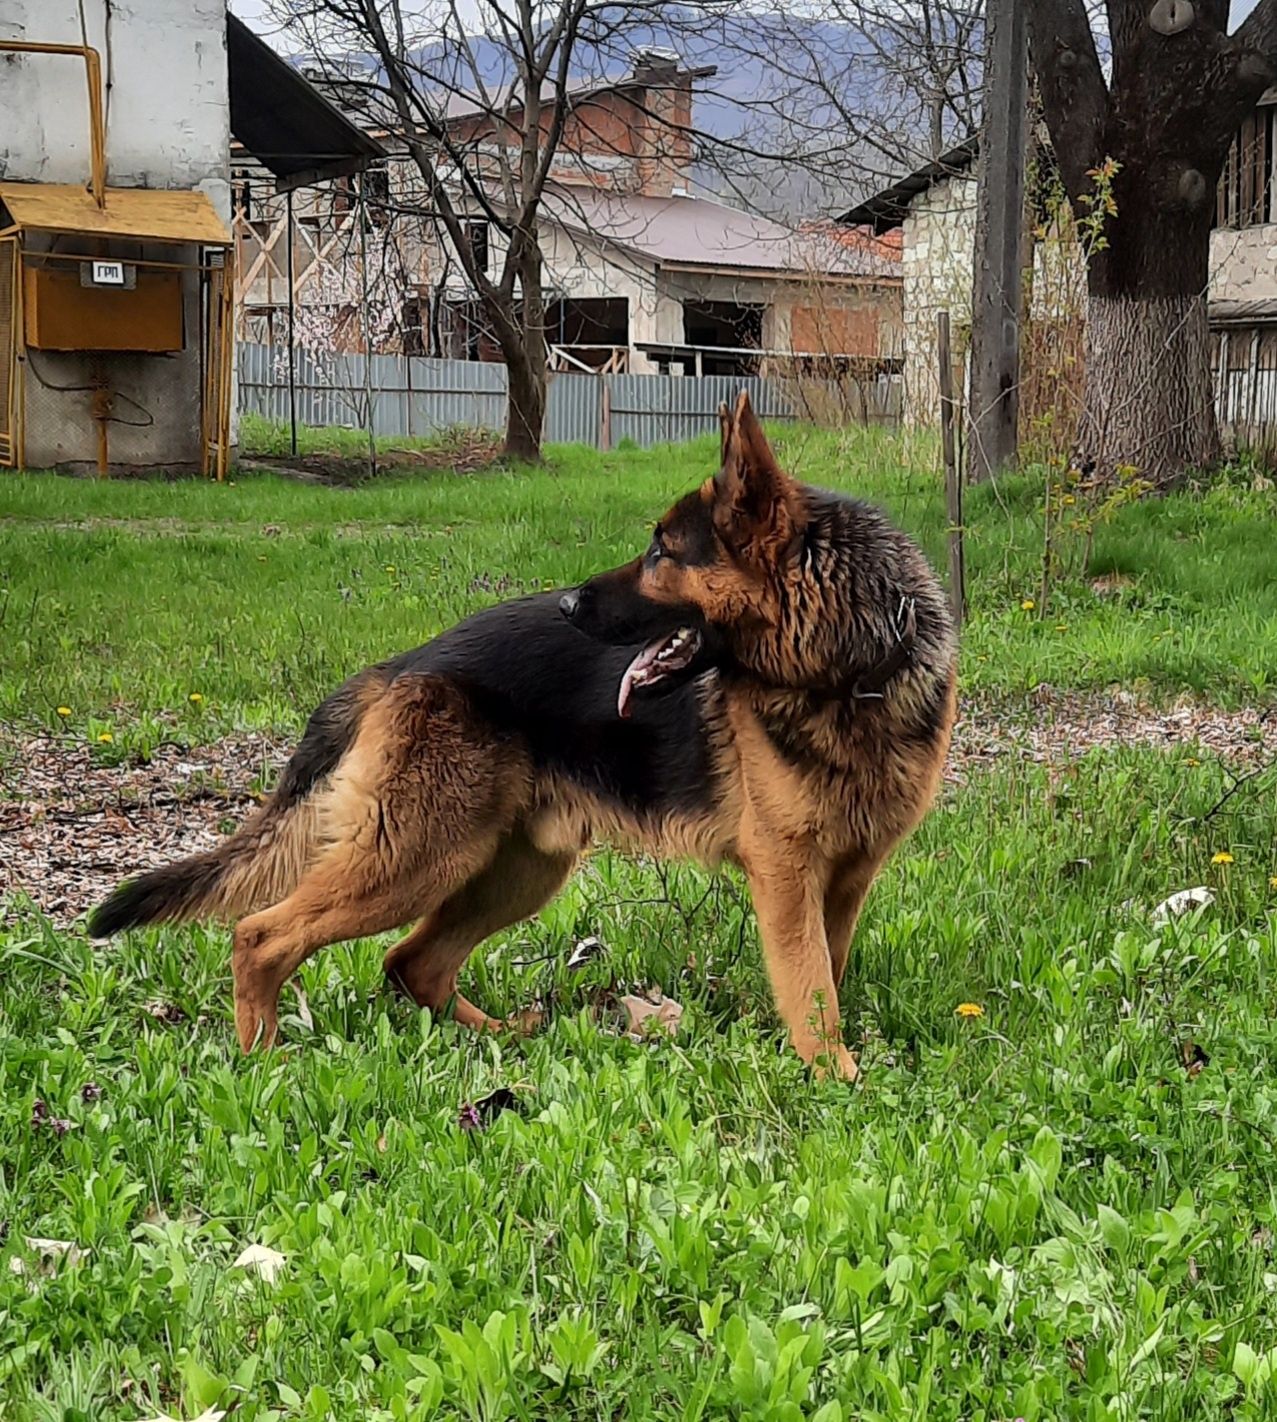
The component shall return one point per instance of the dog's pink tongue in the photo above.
(635, 670)
(623, 695)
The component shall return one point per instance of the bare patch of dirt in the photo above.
(465, 452)
(72, 828)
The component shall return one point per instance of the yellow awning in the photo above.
(129, 212)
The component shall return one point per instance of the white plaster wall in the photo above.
(168, 126)
(1243, 264)
(585, 268)
(168, 117)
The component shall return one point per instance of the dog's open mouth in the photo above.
(669, 654)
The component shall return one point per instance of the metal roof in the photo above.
(699, 234)
(1259, 311)
(147, 213)
(887, 209)
(280, 117)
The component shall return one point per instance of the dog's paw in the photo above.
(836, 1063)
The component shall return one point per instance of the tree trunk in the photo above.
(525, 406)
(1141, 148)
(1148, 404)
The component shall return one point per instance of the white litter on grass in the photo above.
(210, 1414)
(1179, 904)
(264, 1262)
(585, 952)
(52, 1252)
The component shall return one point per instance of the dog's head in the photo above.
(709, 575)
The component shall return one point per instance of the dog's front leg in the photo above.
(789, 902)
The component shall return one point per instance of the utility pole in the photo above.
(997, 298)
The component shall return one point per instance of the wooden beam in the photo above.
(994, 400)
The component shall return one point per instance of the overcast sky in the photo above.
(254, 12)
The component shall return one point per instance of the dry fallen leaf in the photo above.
(266, 1263)
(166, 1012)
(1194, 1057)
(643, 1016)
(1179, 904)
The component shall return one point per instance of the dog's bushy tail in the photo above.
(265, 859)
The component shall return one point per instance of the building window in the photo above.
(376, 193)
(242, 191)
(477, 241)
(1245, 196)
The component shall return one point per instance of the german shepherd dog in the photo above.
(771, 683)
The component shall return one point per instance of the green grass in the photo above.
(119, 600)
(1037, 1213)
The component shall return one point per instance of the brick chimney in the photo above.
(662, 127)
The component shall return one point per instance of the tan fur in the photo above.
(279, 850)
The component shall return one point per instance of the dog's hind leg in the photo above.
(519, 879)
(417, 809)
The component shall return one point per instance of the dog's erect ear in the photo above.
(725, 431)
(753, 497)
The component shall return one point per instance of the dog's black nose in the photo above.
(569, 603)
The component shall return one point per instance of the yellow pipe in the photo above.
(101, 416)
(97, 119)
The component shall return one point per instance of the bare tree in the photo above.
(1145, 135)
(853, 94)
(424, 74)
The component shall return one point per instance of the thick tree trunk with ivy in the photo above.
(1161, 128)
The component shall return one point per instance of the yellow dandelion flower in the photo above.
(196, 697)
(1027, 605)
(1223, 857)
(1069, 500)
(64, 710)
(1272, 882)
(106, 738)
(390, 567)
(1061, 626)
(1192, 762)
(968, 1009)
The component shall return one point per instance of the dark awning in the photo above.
(887, 209)
(284, 121)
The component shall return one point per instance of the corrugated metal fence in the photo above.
(416, 396)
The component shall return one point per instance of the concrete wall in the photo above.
(168, 126)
